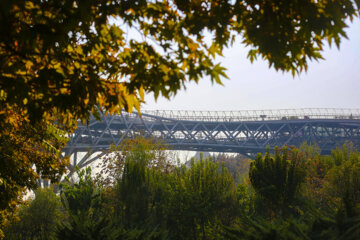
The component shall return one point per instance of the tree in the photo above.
(151, 151)
(70, 56)
(238, 165)
(39, 219)
(317, 167)
(62, 60)
(83, 202)
(202, 197)
(137, 185)
(27, 151)
(277, 178)
(343, 184)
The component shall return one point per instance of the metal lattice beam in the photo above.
(244, 132)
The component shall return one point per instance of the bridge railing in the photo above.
(257, 115)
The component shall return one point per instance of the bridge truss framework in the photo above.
(246, 132)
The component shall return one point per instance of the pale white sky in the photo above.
(330, 83)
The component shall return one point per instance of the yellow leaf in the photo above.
(165, 69)
(70, 48)
(29, 5)
(193, 46)
(141, 93)
(137, 106)
(28, 65)
(130, 102)
(77, 65)
(63, 90)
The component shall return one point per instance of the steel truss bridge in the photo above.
(246, 132)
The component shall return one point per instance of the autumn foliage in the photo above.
(61, 61)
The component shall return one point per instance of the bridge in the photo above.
(246, 132)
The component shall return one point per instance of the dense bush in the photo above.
(39, 219)
(290, 194)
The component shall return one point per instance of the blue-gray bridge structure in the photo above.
(246, 132)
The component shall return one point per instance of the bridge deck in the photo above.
(257, 115)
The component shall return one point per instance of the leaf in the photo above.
(141, 93)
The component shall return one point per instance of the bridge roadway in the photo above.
(245, 132)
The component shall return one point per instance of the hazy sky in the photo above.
(330, 83)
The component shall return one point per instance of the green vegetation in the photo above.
(39, 218)
(63, 60)
(277, 179)
(67, 57)
(291, 194)
(238, 165)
